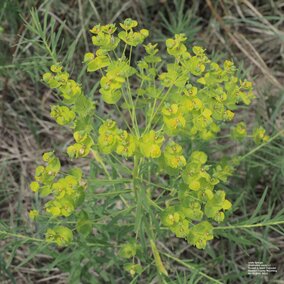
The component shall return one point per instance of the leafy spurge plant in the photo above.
(170, 110)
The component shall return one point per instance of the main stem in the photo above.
(148, 227)
(135, 174)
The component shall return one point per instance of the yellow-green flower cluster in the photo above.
(62, 114)
(173, 118)
(259, 135)
(174, 218)
(112, 139)
(130, 250)
(150, 144)
(67, 193)
(147, 70)
(118, 71)
(195, 174)
(75, 111)
(60, 235)
(44, 175)
(200, 234)
(239, 131)
(112, 82)
(83, 145)
(173, 156)
(103, 37)
(131, 37)
(201, 94)
(198, 200)
(133, 268)
(33, 214)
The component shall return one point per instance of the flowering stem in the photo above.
(27, 238)
(136, 192)
(153, 114)
(133, 112)
(191, 267)
(135, 172)
(148, 227)
(249, 225)
(123, 117)
(99, 159)
(262, 145)
(159, 264)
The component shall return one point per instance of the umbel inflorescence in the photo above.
(170, 103)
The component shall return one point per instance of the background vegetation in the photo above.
(33, 32)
